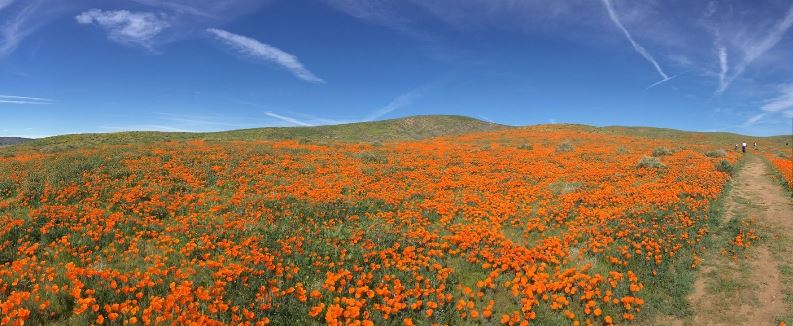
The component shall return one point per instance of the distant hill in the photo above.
(724, 138)
(5, 141)
(408, 128)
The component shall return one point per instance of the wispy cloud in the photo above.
(754, 119)
(398, 102)
(288, 119)
(12, 99)
(385, 13)
(178, 7)
(722, 65)
(636, 46)
(756, 48)
(126, 27)
(253, 48)
(5, 3)
(782, 104)
(408, 98)
(18, 25)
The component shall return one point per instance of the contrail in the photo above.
(287, 119)
(641, 50)
(757, 49)
(22, 102)
(10, 97)
(13, 99)
(663, 81)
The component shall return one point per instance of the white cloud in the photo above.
(288, 119)
(782, 102)
(754, 119)
(21, 102)
(18, 26)
(131, 28)
(780, 105)
(680, 60)
(722, 65)
(253, 48)
(636, 46)
(756, 48)
(12, 99)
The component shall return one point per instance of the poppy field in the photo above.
(520, 226)
(785, 167)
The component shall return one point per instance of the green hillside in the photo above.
(408, 128)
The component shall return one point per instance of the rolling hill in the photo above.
(407, 128)
(6, 141)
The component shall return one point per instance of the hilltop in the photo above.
(408, 128)
(400, 129)
(6, 141)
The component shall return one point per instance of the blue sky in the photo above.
(71, 66)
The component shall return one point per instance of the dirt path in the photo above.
(757, 287)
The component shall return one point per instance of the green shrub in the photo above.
(527, 147)
(725, 167)
(7, 189)
(650, 162)
(564, 147)
(661, 151)
(718, 153)
(373, 157)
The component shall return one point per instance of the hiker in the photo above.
(743, 147)
(736, 147)
(755, 146)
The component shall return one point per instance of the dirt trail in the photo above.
(758, 288)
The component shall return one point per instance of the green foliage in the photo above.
(373, 157)
(725, 166)
(7, 189)
(526, 147)
(650, 162)
(564, 147)
(716, 153)
(409, 128)
(661, 151)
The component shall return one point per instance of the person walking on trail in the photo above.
(736, 147)
(755, 146)
(743, 147)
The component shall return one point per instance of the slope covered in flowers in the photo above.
(524, 225)
(780, 157)
(785, 167)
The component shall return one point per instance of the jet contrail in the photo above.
(641, 50)
(663, 81)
